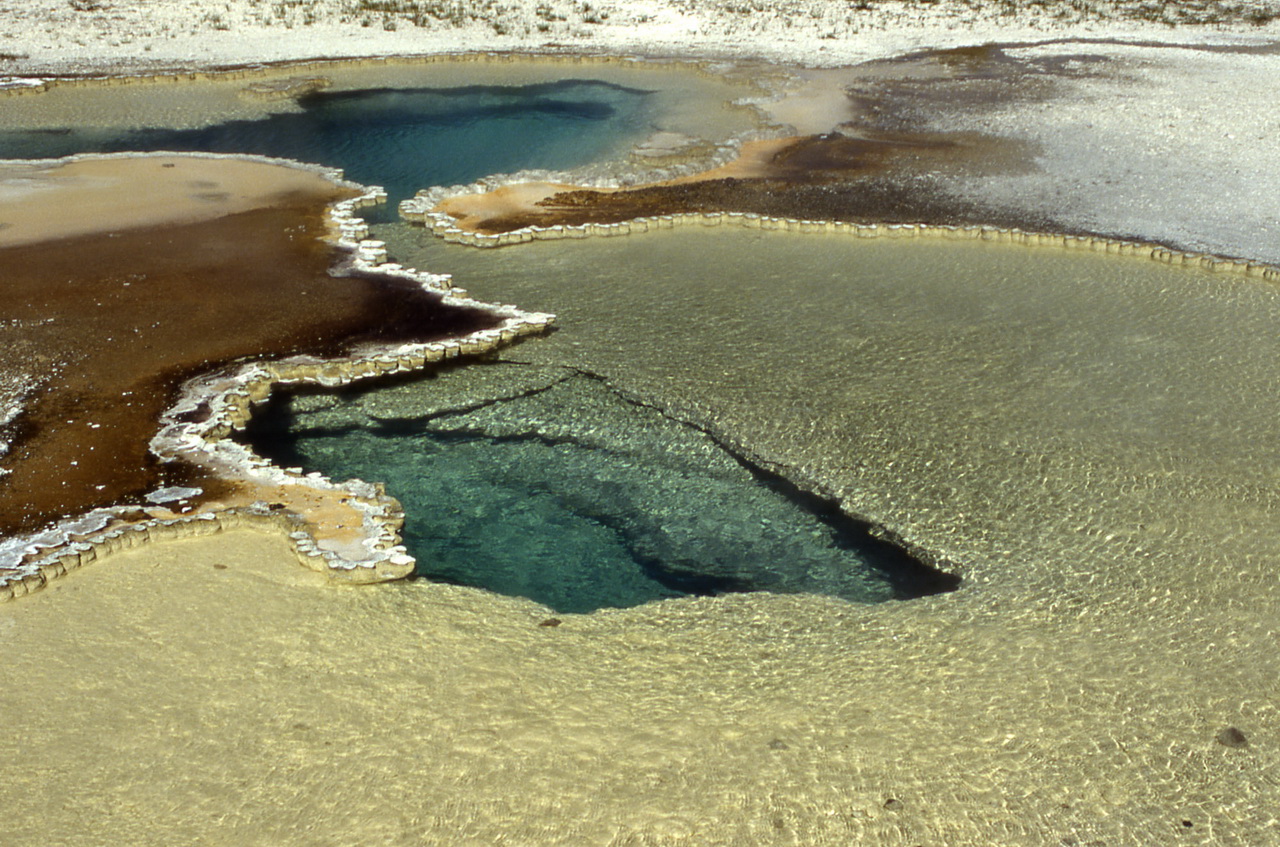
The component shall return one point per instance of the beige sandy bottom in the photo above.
(59, 200)
(209, 691)
(1120, 609)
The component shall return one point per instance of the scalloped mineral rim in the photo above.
(349, 531)
(740, 96)
(374, 554)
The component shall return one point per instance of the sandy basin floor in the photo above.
(210, 691)
(54, 201)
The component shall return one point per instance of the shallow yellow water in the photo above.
(249, 705)
(988, 400)
(1090, 437)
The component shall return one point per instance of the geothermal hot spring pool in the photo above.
(663, 442)
(1089, 440)
(561, 490)
(403, 139)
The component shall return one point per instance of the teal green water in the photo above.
(1035, 412)
(562, 491)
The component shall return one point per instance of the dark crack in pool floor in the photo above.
(564, 492)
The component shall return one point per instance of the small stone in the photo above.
(893, 804)
(1232, 737)
(779, 744)
(551, 622)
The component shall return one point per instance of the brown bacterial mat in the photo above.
(829, 177)
(119, 320)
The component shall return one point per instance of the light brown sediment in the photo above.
(285, 89)
(473, 211)
(84, 195)
(297, 77)
(852, 175)
(754, 159)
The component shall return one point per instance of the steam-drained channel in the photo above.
(566, 493)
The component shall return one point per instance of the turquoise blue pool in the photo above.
(561, 490)
(401, 139)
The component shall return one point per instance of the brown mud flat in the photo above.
(118, 320)
(829, 177)
(867, 154)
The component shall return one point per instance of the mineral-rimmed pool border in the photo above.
(230, 397)
(29, 562)
(421, 209)
(721, 151)
(37, 558)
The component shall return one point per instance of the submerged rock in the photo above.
(1232, 737)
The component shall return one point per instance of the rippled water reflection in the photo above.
(544, 483)
(989, 401)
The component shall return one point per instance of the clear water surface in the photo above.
(556, 488)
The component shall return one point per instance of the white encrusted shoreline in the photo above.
(423, 209)
(29, 562)
(309, 75)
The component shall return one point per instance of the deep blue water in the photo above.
(402, 139)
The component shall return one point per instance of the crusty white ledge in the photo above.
(368, 549)
(423, 209)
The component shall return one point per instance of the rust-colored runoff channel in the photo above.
(118, 320)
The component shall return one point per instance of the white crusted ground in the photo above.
(90, 34)
(1169, 144)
